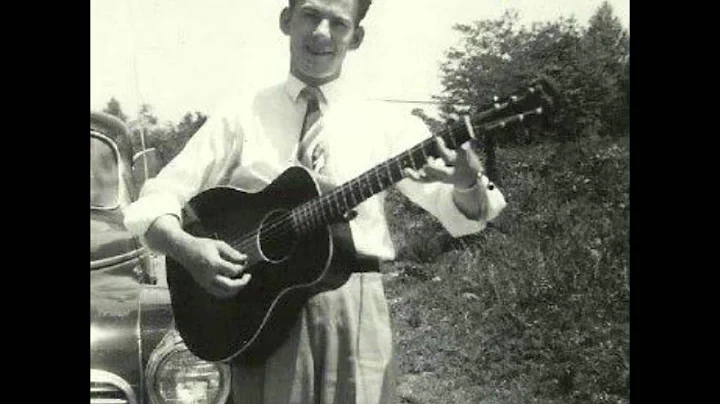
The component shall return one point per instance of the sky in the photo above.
(184, 55)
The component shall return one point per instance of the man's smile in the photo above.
(318, 52)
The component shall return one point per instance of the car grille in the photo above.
(107, 388)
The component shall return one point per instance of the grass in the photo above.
(535, 309)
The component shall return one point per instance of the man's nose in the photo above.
(323, 28)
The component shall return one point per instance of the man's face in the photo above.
(321, 33)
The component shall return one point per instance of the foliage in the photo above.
(147, 131)
(113, 108)
(174, 139)
(533, 309)
(590, 67)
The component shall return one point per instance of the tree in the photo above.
(497, 57)
(605, 64)
(113, 108)
(146, 126)
(146, 115)
(174, 139)
(166, 137)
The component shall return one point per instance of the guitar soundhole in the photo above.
(277, 237)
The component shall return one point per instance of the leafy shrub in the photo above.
(536, 308)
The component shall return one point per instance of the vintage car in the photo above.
(136, 355)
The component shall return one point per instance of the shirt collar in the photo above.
(330, 91)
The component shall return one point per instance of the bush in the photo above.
(537, 306)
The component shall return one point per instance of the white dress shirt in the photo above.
(253, 138)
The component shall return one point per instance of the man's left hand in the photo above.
(459, 167)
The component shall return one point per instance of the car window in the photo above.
(104, 173)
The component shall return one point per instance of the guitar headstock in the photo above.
(538, 99)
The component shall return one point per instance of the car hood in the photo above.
(127, 321)
(114, 323)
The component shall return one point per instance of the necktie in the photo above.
(310, 151)
(312, 113)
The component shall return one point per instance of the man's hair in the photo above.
(363, 6)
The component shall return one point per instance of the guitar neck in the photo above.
(333, 206)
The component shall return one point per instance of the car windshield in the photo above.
(104, 172)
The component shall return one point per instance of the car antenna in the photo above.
(141, 119)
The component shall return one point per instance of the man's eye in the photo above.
(311, 15)
(341, 24)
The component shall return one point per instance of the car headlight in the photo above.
(176, 376)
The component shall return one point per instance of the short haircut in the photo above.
(363, 6)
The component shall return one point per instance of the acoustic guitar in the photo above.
(286, 231)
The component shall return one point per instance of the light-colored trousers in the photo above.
(340, 351)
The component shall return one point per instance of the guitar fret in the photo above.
(379, 178)
(388, 168)
(418, 159)
(371, 185)
(429, 148)
(337, 204)
(424, 153)
(398, 165)
(327, 203)
(360, 191)
(412, 161)
(334, 203)
(322, 212)
(361, 187)
(353, 187)
(345, 200)
(369, 192)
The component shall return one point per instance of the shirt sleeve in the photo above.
(441, 199)
(201, 164)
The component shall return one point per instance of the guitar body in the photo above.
(285, 269)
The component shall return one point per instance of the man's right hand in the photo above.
(214, 265)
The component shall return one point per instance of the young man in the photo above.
(340, 349)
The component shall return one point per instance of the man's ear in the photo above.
(358, 37)
(285, 17)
